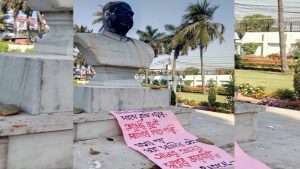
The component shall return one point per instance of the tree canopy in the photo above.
(256, 23)
(153, 37)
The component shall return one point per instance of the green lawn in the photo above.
(198, 97)
(270, 80)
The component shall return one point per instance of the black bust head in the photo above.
(117, 17)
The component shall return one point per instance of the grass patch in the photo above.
(271, 81)
(198, 97)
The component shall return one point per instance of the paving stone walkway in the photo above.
(115, 154)
(278, 139)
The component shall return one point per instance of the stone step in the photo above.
(36, 141)
(112, 154)
(101, 125)
(24, 123)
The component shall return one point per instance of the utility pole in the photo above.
(284, 64)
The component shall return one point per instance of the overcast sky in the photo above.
(157, 13)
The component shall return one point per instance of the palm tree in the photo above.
(82, 29)
(98, 14)
(154, 38)
(198, 23)
(179, 46)
(282, 45)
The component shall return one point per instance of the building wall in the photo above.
(268, 41)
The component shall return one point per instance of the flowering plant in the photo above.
(251, 91)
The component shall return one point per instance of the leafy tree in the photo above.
(82, 29)
(179, 46)
(249, 48)
(154, 38)
(190, 71)
(201, 29)
(256, 23)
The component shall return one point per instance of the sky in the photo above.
(267, 7)
(157, 13)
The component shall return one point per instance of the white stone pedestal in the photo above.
(40, 141)
(245, 121)
(59, 17)
(38, 84)
(95, 99)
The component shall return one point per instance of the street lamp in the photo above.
(180, 80)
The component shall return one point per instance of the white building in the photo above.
(196, 79)
(268, 42)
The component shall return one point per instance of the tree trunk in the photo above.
(42, 26)
(15, 30)
(16, 13)
(28, 26)
(174, 80)
(202, 70)
(146, 76)
(284, 64)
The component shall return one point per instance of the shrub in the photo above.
(249, 48)
(297, 78)
(192, 89)
(221, 90)
(264, 66)
(178, 88)
(3, 47)
(222, 110)
(212, 93)
(192, 103)
(188, 82)
(155, 82)
(296, 55)
(282, 103)
(276, 56)
(144, 81)
(203, 103)
(185, 101)
(237, 61)
(284, 94)
(229, 90)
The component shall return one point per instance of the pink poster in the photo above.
(159, 136)
(244, 161)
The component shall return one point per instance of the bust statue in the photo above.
(115, 57)
(117, 17)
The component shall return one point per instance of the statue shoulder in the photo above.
(144, 46)
(88, 39)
